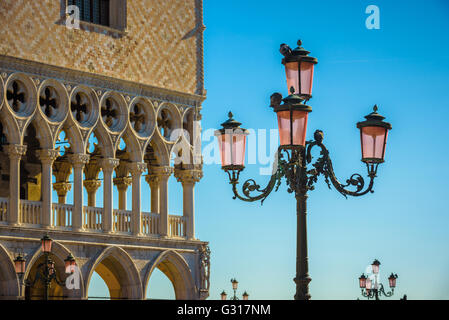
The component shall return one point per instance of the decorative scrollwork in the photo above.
(292, 164)
(324, 166)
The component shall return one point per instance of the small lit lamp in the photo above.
(46, 244)
(375, 266)
(223, 295)
(235, 284)
(368, 285)
(232, 144)
(19, 264)
(362, 281)
(298, 70)
(392, 280)
(292, 118)
(373, 137)
(70, 263)
(245, 295)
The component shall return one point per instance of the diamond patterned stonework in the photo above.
(159, 47)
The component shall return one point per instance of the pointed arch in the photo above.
(161, 153)
(43, 132)
(117, 269)
(133, 145)
(10, 127)
(175, 267)
(9, 282)
(58, 253)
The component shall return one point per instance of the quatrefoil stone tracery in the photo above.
(80, 107)
(110, 112)
(165, 123)
(137, 117)
(16, 96)
(48, 101)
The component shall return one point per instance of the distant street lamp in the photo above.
(373, 289)
(294, 153)
(46, 271)
(235, 283)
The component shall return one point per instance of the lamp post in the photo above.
(46, 271)
(372, 288)
(294, 157)
(235, 283)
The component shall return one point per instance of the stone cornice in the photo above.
(74, 77)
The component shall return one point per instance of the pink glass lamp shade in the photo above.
(362, 281)
(392, 280)
(292, 119)
(46, 242)
(292, 127)
(368, 284)
(232, 144)
(19, 265)
(223, 295)
(70, 264)
(299, 69)
(234, 284)
(375, 266)
(373, 137)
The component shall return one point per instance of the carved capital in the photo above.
(162, 172)
(188, 176)
(16, 151)
(92, 185)
(122, 183)
(152, 179)
(79, 159)
(109, 164)
(47, 156)
(137, 168)
(62, 188)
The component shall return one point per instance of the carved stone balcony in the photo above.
(30, 215)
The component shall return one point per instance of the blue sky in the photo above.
(403, 68)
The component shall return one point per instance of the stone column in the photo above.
(188, 178)
(108, 166)
(163, 173)
(136, 169)
(47, 157)
(153, 181)
(78, 161)
(122, 186)
(15, 153)
(61, 189)
(91, 188)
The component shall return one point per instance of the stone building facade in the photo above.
(101, 94)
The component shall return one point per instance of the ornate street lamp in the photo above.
(223, 295)
(46, 271)
(375, 266)
(19, 264)
(294, 157)
(235, 283)
(70, 264)
(372, 288)
(46, 243)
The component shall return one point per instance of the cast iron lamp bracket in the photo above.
(376, 293)
(292, 164)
